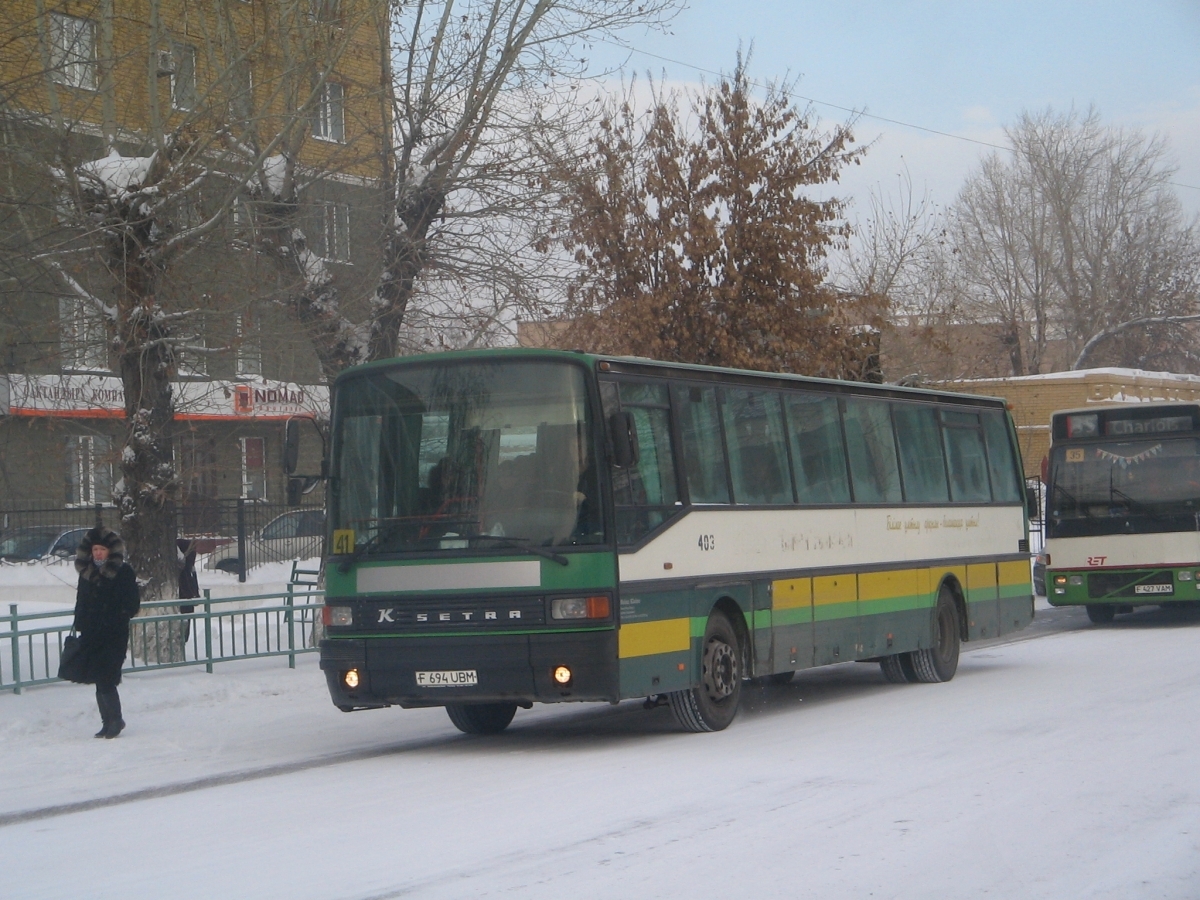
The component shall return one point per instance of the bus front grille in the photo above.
(1124, 584)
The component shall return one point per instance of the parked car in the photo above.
(1039, 574)
(40, 542)
(296, 534)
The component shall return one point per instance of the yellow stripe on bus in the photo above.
(791, 593)
(834, 589)
(889, 585)
(647, 638)
(1014, 572)
(981, 581)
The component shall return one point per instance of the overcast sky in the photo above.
(966, 69)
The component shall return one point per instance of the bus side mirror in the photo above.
(291, 448)
(624, 438)
(1032, 507)
(295, 487)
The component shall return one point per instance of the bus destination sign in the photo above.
(1159, 425)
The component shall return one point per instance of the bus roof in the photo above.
(634, 365)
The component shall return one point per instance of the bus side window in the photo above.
(646, 493)
(757, 455)
(1001, 461)
(818, 454)
(921, 459)
(703, 451)
(965, 456)
(872, 447)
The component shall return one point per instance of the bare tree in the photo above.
(472, 88)
(1073, 234)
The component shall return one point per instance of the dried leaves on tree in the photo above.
(707, 243)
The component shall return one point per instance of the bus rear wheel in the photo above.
(481, 718)
(898, 669)
(1101, 613)
(712, 704)
(939, 662)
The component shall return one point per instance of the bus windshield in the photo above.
(1142, 486)
(457, 455)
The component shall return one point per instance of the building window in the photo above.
(89, 470)
(323, 10)
(254, 468)
(329, 120)
(83, 340)
(183, 76)
(191, 360)
(73, 51)
(332, 231)
(249, 347)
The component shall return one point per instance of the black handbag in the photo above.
(72, 662)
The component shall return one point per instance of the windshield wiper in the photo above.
(383, 534)
(522, 544)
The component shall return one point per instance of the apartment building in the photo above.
(209, 112)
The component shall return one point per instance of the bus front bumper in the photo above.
(1160, 585)
(513, 668)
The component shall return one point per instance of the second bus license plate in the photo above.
(1154, 588)
(456, 678)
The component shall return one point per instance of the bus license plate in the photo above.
(1154, 588)
(459, 678)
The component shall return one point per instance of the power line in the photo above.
(854, 112)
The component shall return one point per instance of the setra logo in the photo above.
(1096, 560)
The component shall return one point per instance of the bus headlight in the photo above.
(337, 616)
(1185, 576)
(1076, 580)
(579, 607)
(562, 675)
(350, 678)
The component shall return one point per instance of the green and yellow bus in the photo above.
(1123, 508)
(520, 526)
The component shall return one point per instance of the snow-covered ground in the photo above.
(1066, 766)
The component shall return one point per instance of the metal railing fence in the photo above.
(217, 632)
(235, 526)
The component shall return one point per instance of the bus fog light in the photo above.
(562, 675)
(1076, 580)
(337, 616)
(350, 678)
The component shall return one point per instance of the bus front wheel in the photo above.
(1101, 613)
(712, 704)
(939, 662)
(481, 718)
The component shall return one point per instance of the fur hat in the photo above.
(116, 553)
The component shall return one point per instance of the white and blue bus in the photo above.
(520, 526)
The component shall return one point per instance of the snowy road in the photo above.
(1064, 764)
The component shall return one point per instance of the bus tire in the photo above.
(939, 662)
(898, 669)
(481, 718)
(712, 704)
(1100, 613)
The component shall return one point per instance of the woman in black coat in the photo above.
(105, 601)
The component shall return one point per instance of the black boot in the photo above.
(105, 716)
(110, 711)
